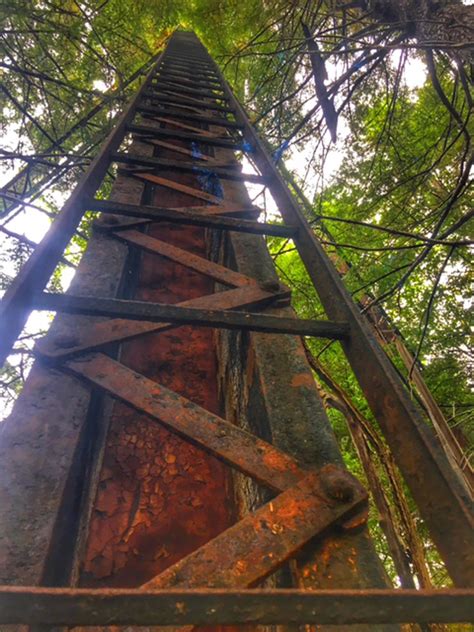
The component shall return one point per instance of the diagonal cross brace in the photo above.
(262, 541)
(184, 257)
(242, 555)
(257, 545)
(244, 451)
(183, 188)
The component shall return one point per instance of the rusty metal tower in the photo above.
(169, 461)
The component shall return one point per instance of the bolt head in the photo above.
(337, 484)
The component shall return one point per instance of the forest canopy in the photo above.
(366, 106)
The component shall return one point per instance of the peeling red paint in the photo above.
(159, 497)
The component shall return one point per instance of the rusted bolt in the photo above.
(337, 483)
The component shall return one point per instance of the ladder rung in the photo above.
(210, 120)
(192, 73)
(190, 66)
(188, 61)
(157, 312)
(177, 92)
(194, 61)
(182, 188)
(178, 149)
(180, 107)
(186, 258)
(164, 118)
(190, 84)
(30, 605)
(179, 88)
(189, 76)
(188, 80)
(163, 98)
(195, 219)
(173, 133)
(223, 171)
(100, 334)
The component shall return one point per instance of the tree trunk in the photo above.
(437, 24)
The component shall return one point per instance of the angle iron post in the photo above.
(19, 298)
(442, 501)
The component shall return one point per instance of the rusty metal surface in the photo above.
(186, 78)
(164, 502)
(152, 102)
(198, 83)
(179, 125)
(269, 390)
(244, 451)
(223, 171)
(120, 330)
(167, 132)
(182, 101)
(176, 148)
(199, 72)
(159, 312)
(62, 606)
(42, 439)
(258, 544)
(199, 118)
(211, 94)
(262, 541)
(186, 258)
(204, 211)
(159, 496)
(186, 216)
(178, 186)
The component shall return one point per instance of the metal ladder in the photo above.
(186, 89)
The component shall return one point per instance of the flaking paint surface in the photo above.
(159, 497)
